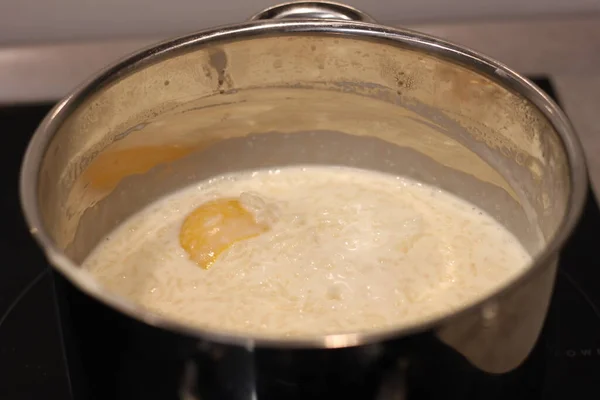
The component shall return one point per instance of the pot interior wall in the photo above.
(268, 101)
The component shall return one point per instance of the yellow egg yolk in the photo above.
(214, 226)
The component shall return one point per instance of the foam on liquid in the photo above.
(348, 250)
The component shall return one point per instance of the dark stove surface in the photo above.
(31, 351)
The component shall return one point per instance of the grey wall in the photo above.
(51, 20)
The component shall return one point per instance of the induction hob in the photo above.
(32, 362)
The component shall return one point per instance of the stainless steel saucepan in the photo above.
(302, 83)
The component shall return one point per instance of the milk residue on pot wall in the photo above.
(195, 129)
(394, 75)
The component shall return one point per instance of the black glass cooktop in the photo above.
(31, 353)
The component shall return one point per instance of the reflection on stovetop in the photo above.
(31, 352)
(572, 332)
(31, 358)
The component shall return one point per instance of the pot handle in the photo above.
(326, 10)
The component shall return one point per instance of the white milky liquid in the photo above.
(350, 250)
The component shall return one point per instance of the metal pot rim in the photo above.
(359, 30)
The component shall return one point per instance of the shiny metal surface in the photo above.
(313, 10)
(276, 92)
